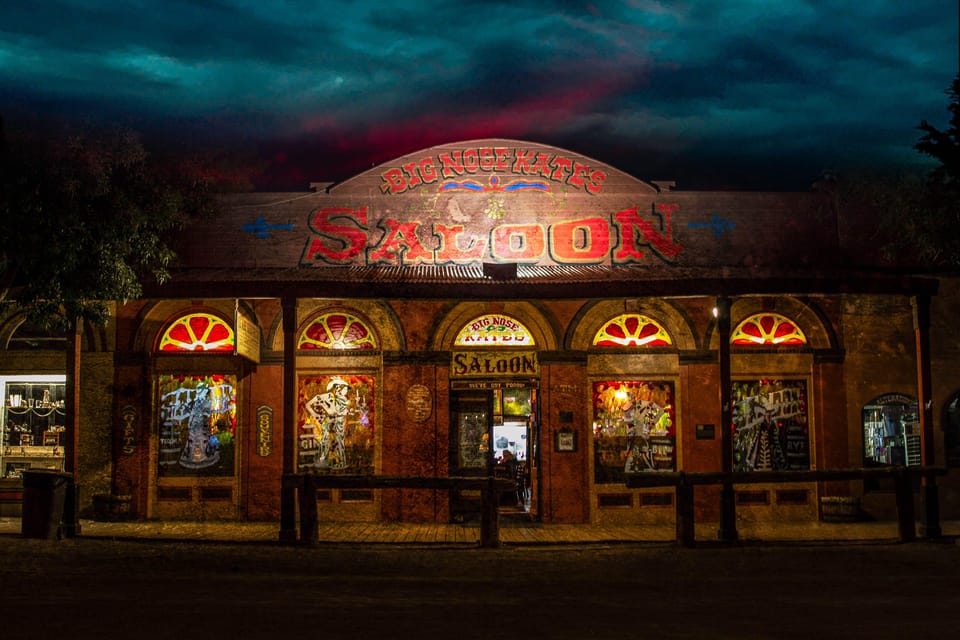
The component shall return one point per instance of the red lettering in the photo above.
(635, 231)
(503, 158)
(563, 168)
(401, 245)
(524, 161)
(596, 181)
(470, 161)
(579, 171)
(450, 245)
(451, 164)
(393, 181)
(414, 180)
(486, 158)
(427, 171)
(350, 240)
(518, 242)
(585, 241)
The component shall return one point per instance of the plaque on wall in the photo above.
(419, 403)
(565, 441)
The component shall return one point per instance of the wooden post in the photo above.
(288, 494)
(930, 516)
(728, 509)
(71, 435)
(903, 488)
(686, 534)
(309, 526)
(489, 516)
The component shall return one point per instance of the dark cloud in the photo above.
(750, 94)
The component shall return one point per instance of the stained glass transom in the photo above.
(494, 329)
(768, 328)
(632, 330)
(198, 332)
(338, 330)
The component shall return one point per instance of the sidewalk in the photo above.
(512, 534)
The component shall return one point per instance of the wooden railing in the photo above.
(903, 478)
(306, 485)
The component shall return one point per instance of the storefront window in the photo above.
(337, 331)
(198, 425)
(770, 425)
(336, 423)
(891, 433)
(632, 330)
(633, 429)
(32, 424)
(767, 328)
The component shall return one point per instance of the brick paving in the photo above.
(513, 534)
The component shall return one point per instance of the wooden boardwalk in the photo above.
(511, 533)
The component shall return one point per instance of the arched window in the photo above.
(337, 330)
(767, 328)
(198, 332)
(494, 330)
(632, 330)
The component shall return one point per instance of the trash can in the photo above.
(44, 496)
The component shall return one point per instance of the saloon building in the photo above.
(500, 307)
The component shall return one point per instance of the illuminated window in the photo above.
(198, 425)
(633, 428)
(767, 328)
(631, 330)
(494, 329)
(770, 425)
(337, 330)
(198, 332)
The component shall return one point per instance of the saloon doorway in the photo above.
(494, 431)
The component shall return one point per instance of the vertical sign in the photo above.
(247, 335)
(264, 431)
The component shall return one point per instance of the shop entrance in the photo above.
(494, 431)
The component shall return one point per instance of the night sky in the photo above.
(746, 94)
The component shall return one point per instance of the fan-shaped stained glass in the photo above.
(338, 330)
(632, 330)
(494, 330)
(767, 328)
(198, 332)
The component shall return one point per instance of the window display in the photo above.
(198, 425)
(891, 433)
(32, 425)
(770, 425)
(633, 429)
(336, 423)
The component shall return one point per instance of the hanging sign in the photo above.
(247, 335)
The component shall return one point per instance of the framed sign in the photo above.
(565, 441)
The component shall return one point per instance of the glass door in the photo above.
(493, 432)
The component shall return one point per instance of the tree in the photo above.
(936, 231)
(86, 219)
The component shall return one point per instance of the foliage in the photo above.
(937, 230)
(86, 219)
(913, 219)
